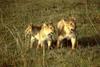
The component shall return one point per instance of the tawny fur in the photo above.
(66, 29)
(44, 34)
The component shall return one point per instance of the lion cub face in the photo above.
(69, 27)
(47, 29)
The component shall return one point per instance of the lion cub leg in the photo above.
(73, 42)
(49, 44)
(39, 44)
(60, 38)
(32, 41)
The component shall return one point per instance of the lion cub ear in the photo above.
(30, 24)
(72, 18)
(62, 20)
(44, 25)
(50, 23)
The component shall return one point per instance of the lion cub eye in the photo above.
(50, 27)
(71, 24)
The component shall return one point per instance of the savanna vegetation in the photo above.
(16, 14)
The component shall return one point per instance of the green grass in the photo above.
(15, 15)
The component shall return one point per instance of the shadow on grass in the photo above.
(89, 41)
(83, 42)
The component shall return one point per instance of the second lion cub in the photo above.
(66, 29)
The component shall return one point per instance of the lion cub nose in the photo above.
(72, 29)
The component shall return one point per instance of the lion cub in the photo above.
(66, 29)
(44, 34)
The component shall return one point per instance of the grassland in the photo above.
(16, 14)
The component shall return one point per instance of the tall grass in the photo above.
(15, 15)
